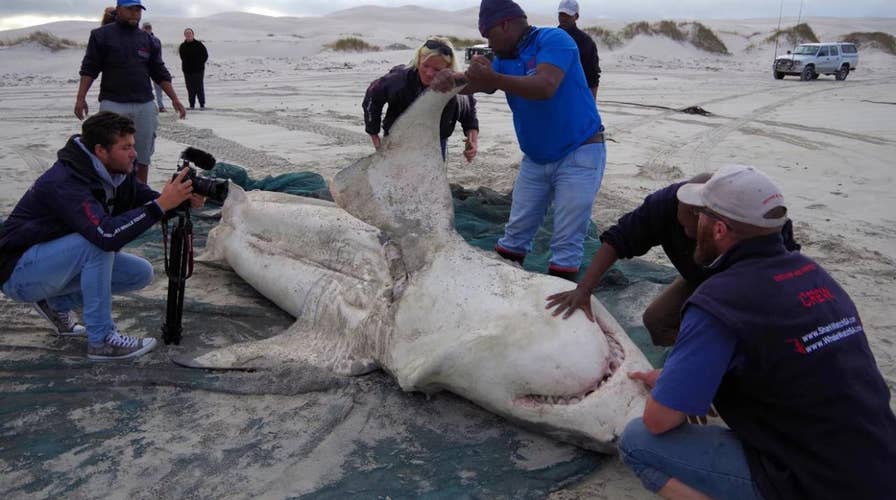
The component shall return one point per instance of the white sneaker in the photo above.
(64, 322)
(118, 346)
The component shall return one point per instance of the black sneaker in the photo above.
(64, 322)
(118, 346)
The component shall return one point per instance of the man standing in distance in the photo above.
(193, 56)
(567, 15)
(128, 59)
(557, 125)
(160, 102)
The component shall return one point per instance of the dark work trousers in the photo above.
(195, 88)
(663, 316)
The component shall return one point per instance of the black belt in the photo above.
(595, 139)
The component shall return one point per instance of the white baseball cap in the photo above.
(569, 7)
(741, 193)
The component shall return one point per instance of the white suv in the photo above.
(812, 59)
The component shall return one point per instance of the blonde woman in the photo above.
(400, 87)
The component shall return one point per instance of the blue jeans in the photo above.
(571, 185)
(707, 458)
(71, 272)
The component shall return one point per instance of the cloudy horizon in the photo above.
(22, 13)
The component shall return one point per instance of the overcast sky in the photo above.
(20, 13)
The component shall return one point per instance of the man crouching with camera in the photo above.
(60, 247)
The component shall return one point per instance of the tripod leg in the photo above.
(183, 260)
(171, 330)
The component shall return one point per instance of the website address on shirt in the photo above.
(830, 333)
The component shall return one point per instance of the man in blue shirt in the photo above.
(777, 347)
(557, 125)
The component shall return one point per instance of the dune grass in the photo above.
(876, 39)
(460, 42)
(694, 33)
(795, 35)
(43, 38)
(606, 37)
(352, 44)
(632, 30)
(669, 29)
(704, 39)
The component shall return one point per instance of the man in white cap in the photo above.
(777, 346)
(567, 15)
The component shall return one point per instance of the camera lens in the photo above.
(214, 189)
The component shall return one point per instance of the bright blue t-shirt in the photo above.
(703, 352)
(550, 129)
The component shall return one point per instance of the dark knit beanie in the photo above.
(494, 12)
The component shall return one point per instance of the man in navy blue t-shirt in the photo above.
(778, 348)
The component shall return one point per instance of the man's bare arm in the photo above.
(541, 85)
(81, 110)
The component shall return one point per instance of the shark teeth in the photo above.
(617, 355)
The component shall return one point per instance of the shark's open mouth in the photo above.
(617, 355)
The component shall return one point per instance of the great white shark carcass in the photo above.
(381, 280)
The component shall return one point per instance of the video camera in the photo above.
(476, 50)
(179, 265)
(213, 189)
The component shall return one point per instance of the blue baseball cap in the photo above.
(130, 3)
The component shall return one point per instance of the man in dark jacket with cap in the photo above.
(128, 58)
(60, 248)
(778, 348)
(557, 125)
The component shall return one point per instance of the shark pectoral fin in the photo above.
(188, 361)
(245, 356)
(347, 366)
(296, 345)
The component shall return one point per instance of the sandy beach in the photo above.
(279, 101)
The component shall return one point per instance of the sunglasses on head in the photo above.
(439, 47)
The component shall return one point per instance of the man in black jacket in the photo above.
(61, 246)
(193, 56)
(567, 15)
(128, 59)
(661, 220)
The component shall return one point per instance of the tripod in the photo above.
(178, 269)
